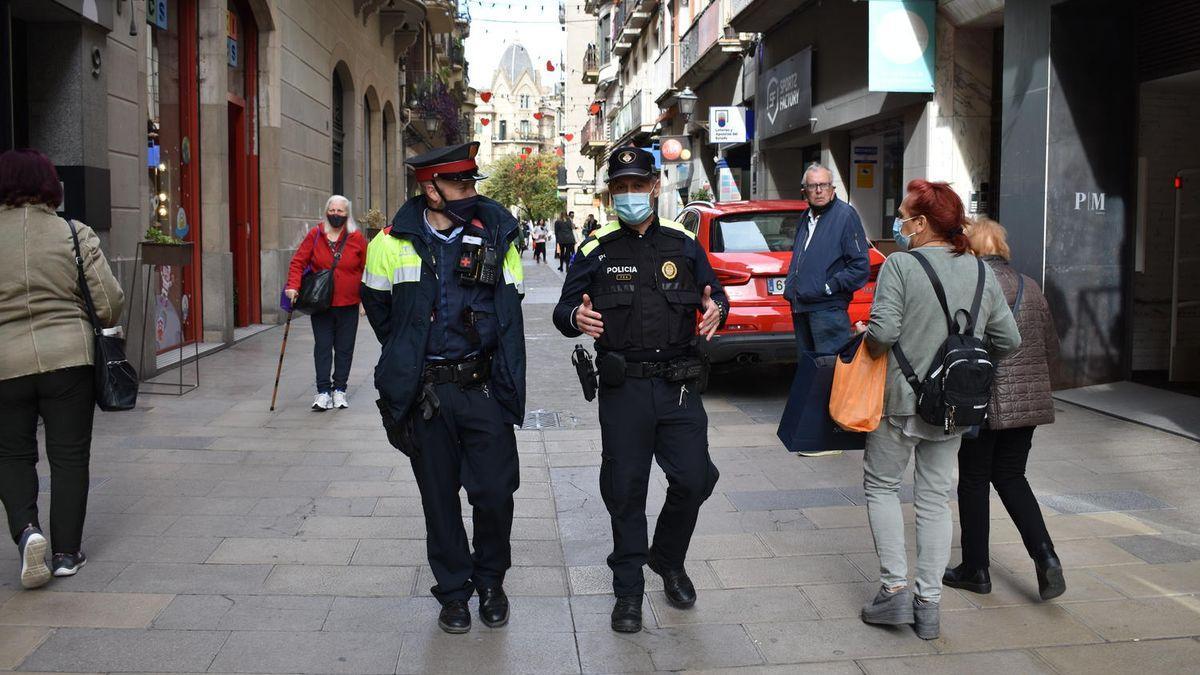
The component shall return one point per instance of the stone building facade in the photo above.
(521, 113)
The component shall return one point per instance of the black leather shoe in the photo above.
(493, 606)
(968, 579)
(455, 617)
(1051, 582)
(627, 614)
(676, 584)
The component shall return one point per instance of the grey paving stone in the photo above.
(845, 600)
(180, 578)
(381, 615)
(284, 551)
(597, 579)
(297, 652)
(777, 500)
(809, 542)
(592, 613)
(234, 526)
(856, 495)
(725, 546)
(245, 613)
(150, 549)
(191, 506)
(1142, 619)
(786, 571)
(385, 552)
(489, 652)
(135, 650)
(832, 639)
(128, 524)
(740, 605)
(1156, 656)
(667, 649)
(954, 664)
(262, 489)
(17, 642)
(1158, 550)
(398, 506)
(319, 473)
(753, 521)
(584, 552)
(349, 581)
(82, 610)
(535, 552)
(1102, 500)
(375, 527)
(1012, 628)
(545, 581)
(286, 458)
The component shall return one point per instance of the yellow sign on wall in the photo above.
(864, 176)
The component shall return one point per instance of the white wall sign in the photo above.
(727, 124)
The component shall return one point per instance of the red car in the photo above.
(749, 244)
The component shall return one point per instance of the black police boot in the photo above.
(968, 578)
(676, 584)
(1051, 582)
(627, 614)
(455, 617)
(493, 606)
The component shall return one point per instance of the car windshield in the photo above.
(755, 232)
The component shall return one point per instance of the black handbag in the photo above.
(316, 288)
(116, 382)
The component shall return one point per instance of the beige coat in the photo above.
(43, 321)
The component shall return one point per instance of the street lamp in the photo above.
(579, 173)
(432, 123)
(687, 103)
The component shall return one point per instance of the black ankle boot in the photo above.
(1051, 582)
(968, 578)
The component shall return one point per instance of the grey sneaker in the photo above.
(889, 609)
(32, 546)
(927, 615)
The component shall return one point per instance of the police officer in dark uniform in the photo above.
(442, 289)
(636, 287)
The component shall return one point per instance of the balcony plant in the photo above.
(433, 98)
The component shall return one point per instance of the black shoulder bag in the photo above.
(116, 381)
(316, 288)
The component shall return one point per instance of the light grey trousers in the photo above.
(884, 462)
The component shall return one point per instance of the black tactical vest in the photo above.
(645, 291)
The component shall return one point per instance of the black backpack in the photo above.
(956, 390)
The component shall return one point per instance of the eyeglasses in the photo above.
(817, 187)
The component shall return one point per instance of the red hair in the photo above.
(28, 177)
(943, 210)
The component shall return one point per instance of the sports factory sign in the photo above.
(784, 98)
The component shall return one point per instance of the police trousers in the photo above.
(646, 418)
(468, 445)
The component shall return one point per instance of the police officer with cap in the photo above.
(442, 289)
(636, 287)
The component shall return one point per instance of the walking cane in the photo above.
(283, 347)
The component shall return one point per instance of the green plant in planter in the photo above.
(154, 235)
(375, 219)
(702, 195)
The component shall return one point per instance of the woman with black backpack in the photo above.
(1021, 400)
(939, 315)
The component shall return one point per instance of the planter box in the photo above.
(179, 255)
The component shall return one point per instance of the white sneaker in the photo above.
(322, 403)
(339, 400)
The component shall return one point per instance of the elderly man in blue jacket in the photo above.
(830, 261)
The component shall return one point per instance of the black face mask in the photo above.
(460, 211)
(335, 221)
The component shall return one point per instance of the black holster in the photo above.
(586, 371)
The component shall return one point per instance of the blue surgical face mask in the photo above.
(904, 241)
(632, 208)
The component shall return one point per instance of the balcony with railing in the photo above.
(593, 138)
(759, 16)
(622, 40)
(591, 65)
(637, 116)
(705, 46)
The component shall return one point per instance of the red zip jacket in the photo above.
(347, 276)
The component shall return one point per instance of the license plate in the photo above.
(775, 285)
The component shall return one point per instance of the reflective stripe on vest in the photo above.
(514, 273)
(390, 260)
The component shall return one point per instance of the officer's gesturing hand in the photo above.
(588, 319)
(712, 314)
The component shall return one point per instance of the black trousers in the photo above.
(65, 401)
(641, 419)
(565, 251)
(998, 458)
(468, 445)
(334, 331)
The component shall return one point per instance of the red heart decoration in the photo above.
(569, 136)
(485, 95)
(527, 150)
(485, 121)
(538, 116)
(594, 108)
(550, 66)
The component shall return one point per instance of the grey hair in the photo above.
(351, 225)
(814, 166)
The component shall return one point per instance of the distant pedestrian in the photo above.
(564, 238)
(335, 329)
(1021, 400)
(590, 225)
(46, 366)
(830, 261)
(539, 236)
(907, 316)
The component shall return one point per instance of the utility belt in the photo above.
(474, 370)
(614, 369)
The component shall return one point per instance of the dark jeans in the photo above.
(641, 420)
(539, 251)
(565, 251)
(822, 331)
(467, 445)
(996, 457)
(64, 399)
(334, 331)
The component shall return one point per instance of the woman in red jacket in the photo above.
(334, 329)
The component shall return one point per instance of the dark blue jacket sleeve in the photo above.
(579, 281)
(705, 276)
(855, 257)
(378, 306)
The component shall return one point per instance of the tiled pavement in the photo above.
(225, 538)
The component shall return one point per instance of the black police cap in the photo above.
(630, 161)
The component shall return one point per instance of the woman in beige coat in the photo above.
(46, 361)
